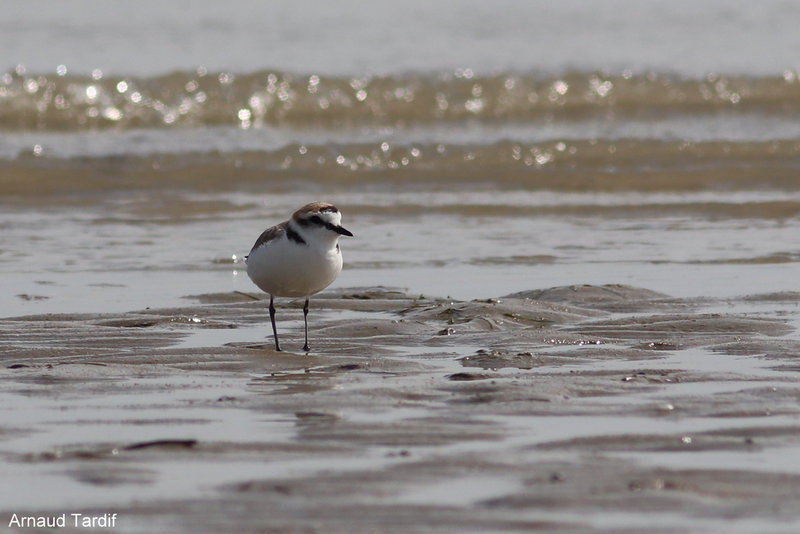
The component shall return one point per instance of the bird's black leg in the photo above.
(305, 320)
(272, 319)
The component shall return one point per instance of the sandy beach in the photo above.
(572, 409)
(570, 304)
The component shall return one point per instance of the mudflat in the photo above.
(572, 409)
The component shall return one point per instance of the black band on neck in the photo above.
(294, 236)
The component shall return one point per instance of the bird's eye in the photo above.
(316, 220)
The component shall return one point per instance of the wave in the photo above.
(582, 166)
(195, 99)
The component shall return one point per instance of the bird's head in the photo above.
(322, 220)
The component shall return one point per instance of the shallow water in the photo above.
(475, 152)
(511, 161)
(130, 254)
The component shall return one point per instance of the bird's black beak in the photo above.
(342, 230)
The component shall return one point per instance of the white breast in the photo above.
(284, 268)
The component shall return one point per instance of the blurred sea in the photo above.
(475, 148)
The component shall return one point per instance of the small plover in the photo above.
(298, 257)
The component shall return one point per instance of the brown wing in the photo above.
(271, 233)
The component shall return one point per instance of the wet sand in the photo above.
(571, 409)
(475, 151)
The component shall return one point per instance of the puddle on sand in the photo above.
(458, 492)
(88, 432)
(390, 415)
(290, 329)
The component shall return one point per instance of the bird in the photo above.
(298, 257)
